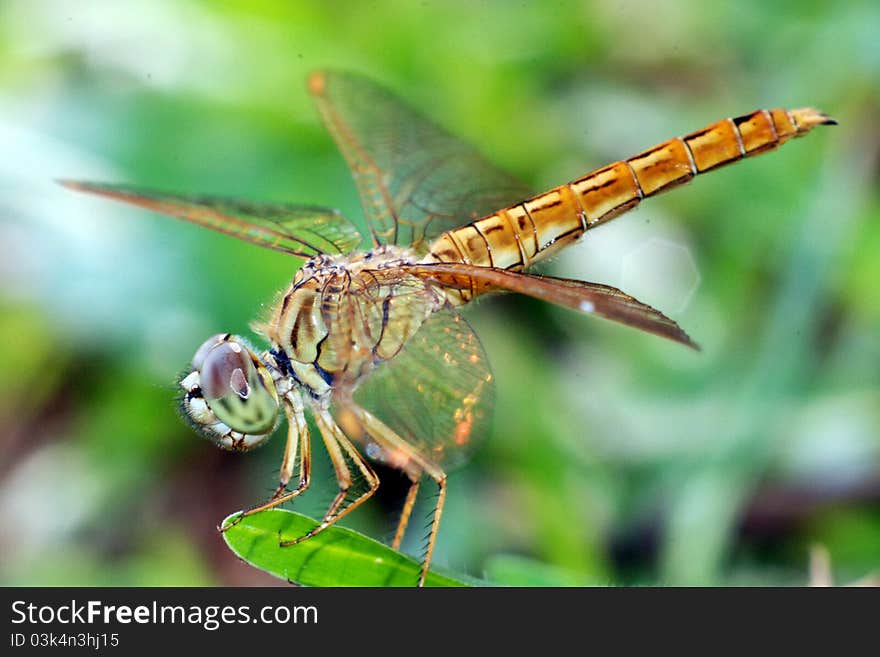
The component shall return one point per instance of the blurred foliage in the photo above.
(615, 458)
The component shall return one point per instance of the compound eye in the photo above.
(238, 388)
(206, 347)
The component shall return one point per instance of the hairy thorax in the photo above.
(344, 314)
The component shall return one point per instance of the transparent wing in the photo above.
(593, 298)
(415, 180)
(299, 230)
(437, 393)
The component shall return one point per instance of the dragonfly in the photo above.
(368, 340)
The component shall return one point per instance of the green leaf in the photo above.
(335, 557)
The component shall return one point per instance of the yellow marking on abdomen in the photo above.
(662, 167)
(558, 218)
(608, 192)
(517, 236)
(505, 250)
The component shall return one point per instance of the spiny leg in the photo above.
(405, 513)
(295, 415)
(297, 429)
(407, 458)
(435, 525)
(338, 446)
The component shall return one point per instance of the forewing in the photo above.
(592, 298)
(415, 179)
(437, 393)
(299, 230)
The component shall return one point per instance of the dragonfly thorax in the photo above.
(344, 314)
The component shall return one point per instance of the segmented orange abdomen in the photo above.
(516, 237)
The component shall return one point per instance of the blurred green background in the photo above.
(616, 458)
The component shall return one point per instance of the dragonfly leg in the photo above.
(339, 447)
(404, 456)
(298, 443)
(350, 418)
(435, 525)
(405, 513)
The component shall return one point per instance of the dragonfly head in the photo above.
(230, 394)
